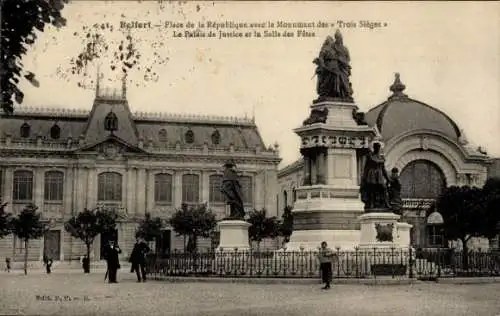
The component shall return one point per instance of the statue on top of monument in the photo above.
(231, 189)
(374, 181)
(333, 70)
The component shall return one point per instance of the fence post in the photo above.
(410, 262)
(439, 263)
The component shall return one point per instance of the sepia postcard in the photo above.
(249, 158)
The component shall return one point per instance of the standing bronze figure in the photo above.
(231, 189)
(333, 70)
(373, 183)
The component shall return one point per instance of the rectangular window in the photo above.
(163, 188)
(23, 186)
(190, 188)
(54, 186)
(216, 195)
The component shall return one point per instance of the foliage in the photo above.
(20, 20)
(149, 228)
(262, 226)
(5, 221)
(26, 226)
(466, 213)
(193, 222)
(88, 224)
(286, 225)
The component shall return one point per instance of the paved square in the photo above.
(78, 294)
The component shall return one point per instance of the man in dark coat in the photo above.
(138, 259)
(113, 262)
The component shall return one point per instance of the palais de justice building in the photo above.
(430, 151)
(65, 160)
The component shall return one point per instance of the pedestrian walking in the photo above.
(138, 259)
(48, 264)
(325, 258)
(7, 264)
(113, 261)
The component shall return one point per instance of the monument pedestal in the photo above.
(376, 226)
(328, 202)
(233, 235)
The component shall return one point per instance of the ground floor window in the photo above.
(435, 237)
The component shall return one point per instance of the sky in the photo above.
(447, 60)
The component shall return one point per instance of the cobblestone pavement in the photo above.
(79, 294)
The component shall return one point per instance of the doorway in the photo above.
(52, 244)
(106, 237)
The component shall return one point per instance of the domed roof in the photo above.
(401, 114)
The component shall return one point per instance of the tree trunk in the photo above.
(86, 263)
(26, 257)
(465, 254)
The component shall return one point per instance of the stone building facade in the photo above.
(65, 160)
(427, 147)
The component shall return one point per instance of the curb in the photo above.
(377, 281)
(482, 280)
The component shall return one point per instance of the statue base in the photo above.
(233, 235)
(377, 226)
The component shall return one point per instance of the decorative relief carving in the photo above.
(334, 141)
(424, 143)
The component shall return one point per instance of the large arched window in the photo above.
(163, 188)
(216, 195)
(54, 186)
(109, 186)
(246, 189)
(22, 186)
(190, 188)
(422, 179)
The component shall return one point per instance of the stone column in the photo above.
(177, 189)
(205, 186)
(140, 195)
(68, 193)
(92, 184)
(320, 167)
(314, 169)
(38, 188)
(8, 184)
(130, 190)
(81, 188)
(307, 170)
(149, 190)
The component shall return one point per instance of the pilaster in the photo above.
(38, 188)
(149, 190)
(205, 186)
(140, 193)
(131, 178)
(177, 189)
(68, 192)
(80, 193)
(8, 184)
(91, 188)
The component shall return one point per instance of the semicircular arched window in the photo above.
(111, 122)
(216, 138)
(189, 137)
(25, 130)
(162, 135)
(55, 132)
(422, 179)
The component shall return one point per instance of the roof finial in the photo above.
(124, 86)
(397, 87)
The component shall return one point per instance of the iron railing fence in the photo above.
(366, 263)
